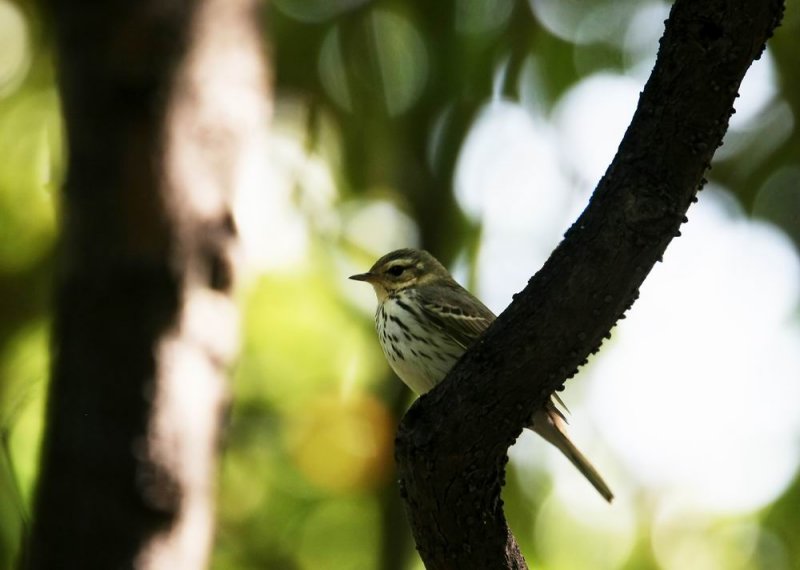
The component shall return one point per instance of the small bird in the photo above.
(426, 321)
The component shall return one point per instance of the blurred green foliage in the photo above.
(382, 94)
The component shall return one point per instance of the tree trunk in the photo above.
(166, 107)
(452, 443)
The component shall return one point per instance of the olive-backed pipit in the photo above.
(425, 322)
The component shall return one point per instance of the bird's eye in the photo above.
(396, 270)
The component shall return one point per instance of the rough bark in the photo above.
(452, 443)
(165, 106)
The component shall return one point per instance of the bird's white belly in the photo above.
(420, 356)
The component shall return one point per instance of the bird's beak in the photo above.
(368, 277)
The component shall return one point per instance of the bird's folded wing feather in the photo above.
(457, 314)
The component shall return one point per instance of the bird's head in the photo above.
(401, 269)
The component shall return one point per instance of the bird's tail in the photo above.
(549, 423)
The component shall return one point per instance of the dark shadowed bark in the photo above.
(164, 102)
(452, 443)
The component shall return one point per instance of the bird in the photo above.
(425, 321)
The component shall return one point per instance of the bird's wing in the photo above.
(457, 313)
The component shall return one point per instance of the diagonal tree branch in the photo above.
(452, 444)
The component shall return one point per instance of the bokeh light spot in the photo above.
(15, 53)
(31, 140)
(682, 540)
(402, 60)
(591, 119)
(386, 57)
(312, 11)
(508, 177)
(333, 72)
(23, 386)
(342, 444)
(778, 201)
(579, 22)
(377, 226)
(481, 16)
(600, 542)
(757, 91)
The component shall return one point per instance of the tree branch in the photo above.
(452, 444)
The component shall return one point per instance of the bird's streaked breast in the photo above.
(419, 353)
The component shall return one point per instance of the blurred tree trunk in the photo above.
(452, 444)
(166, 106)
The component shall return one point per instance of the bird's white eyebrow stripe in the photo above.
(396, 262)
